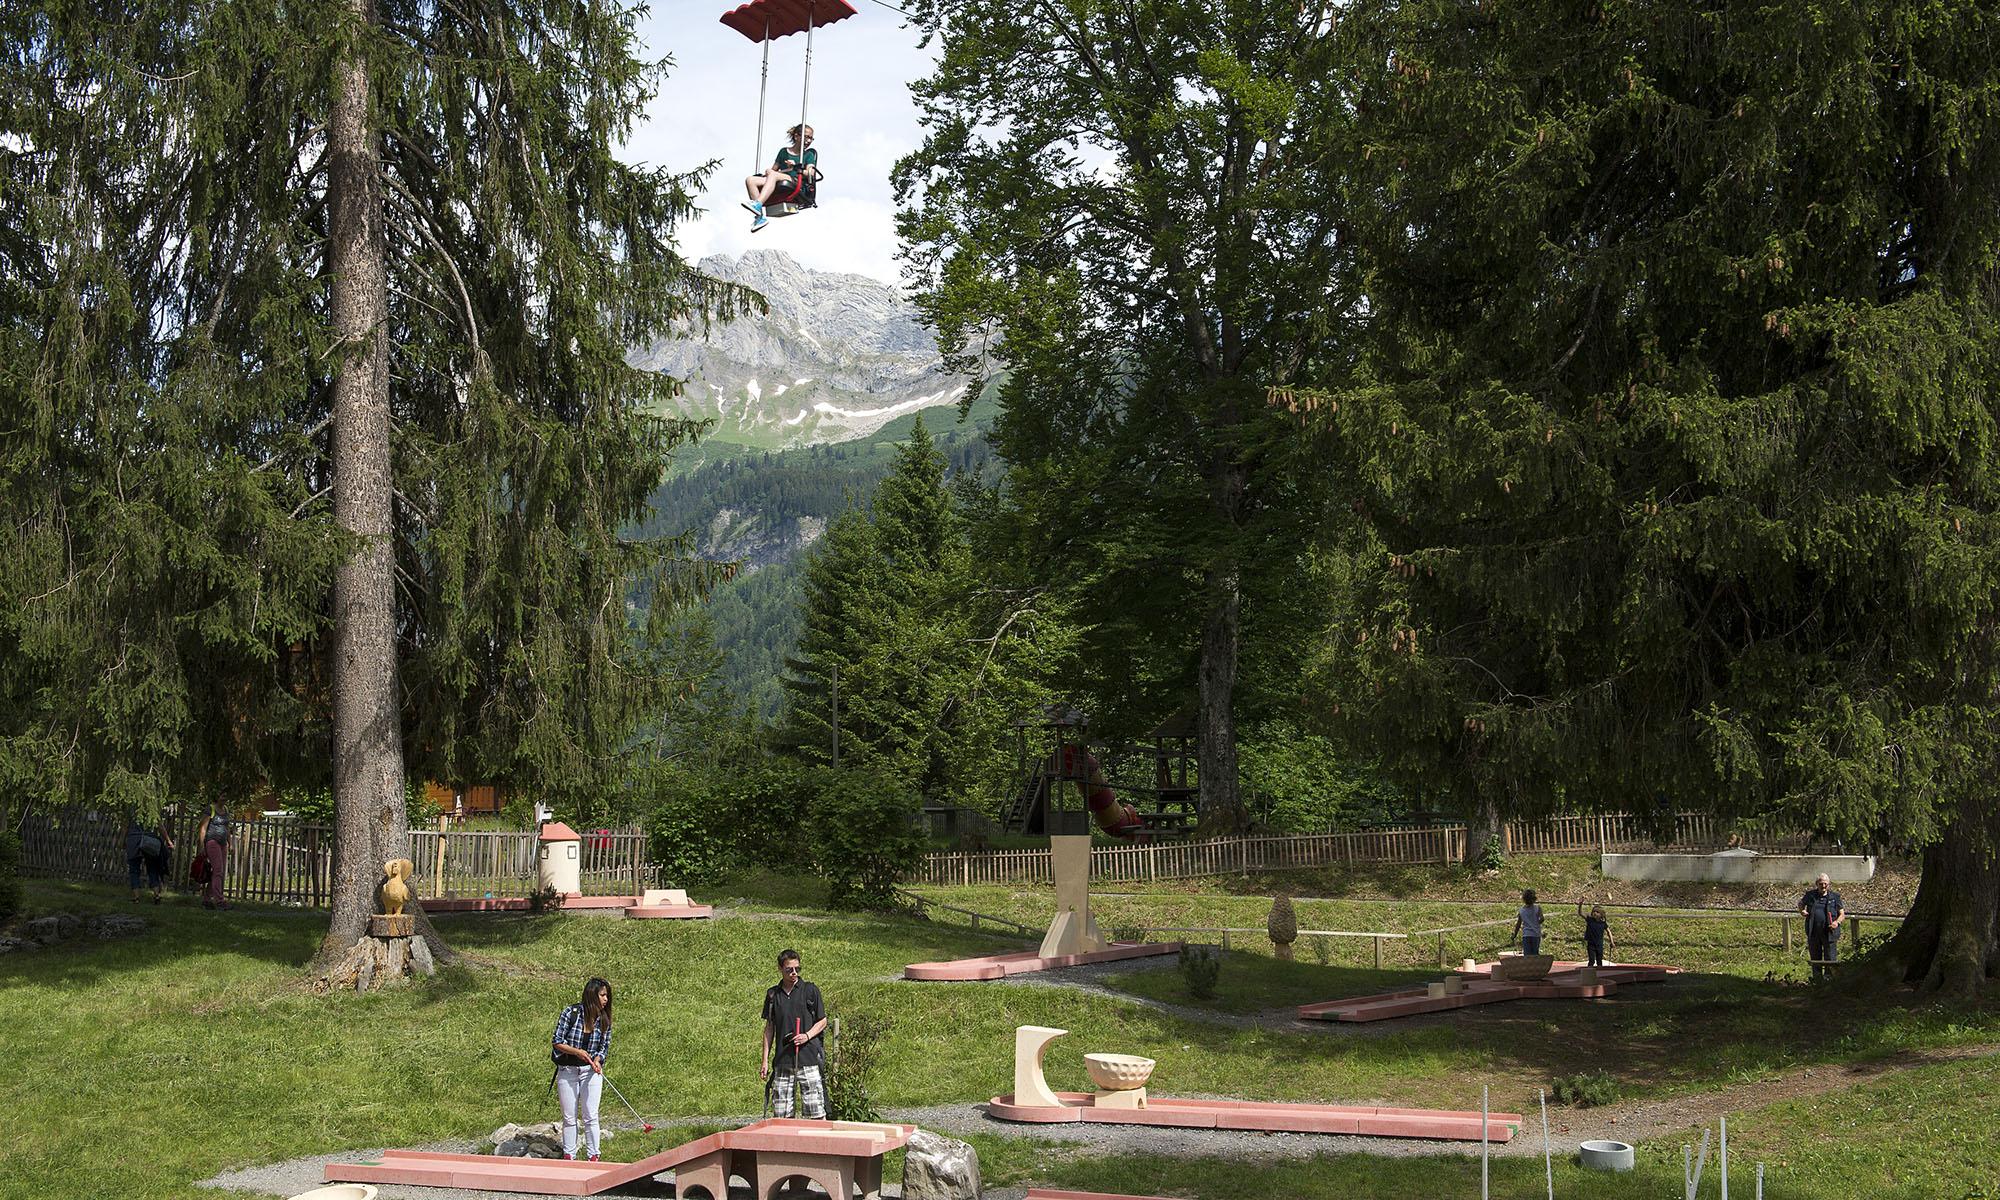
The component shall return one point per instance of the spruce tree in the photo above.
(317, 318)
(1125, 206)
(1677, 430)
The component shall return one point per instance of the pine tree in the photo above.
(1125, 205)
(1678, 428)
(383, 253)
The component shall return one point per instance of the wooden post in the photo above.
(437, 865)
(1786, 924)
(1440, 949)
(1378, 953)
(1856, 922)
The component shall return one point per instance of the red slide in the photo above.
(1114, 817)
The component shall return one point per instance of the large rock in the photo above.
(938, 1168)
(528, 1141)
(115, 925)
(53, 928)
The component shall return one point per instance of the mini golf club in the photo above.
(645, 1126)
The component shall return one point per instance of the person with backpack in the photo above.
(146, 847)
(215, 852)
(581, 1043)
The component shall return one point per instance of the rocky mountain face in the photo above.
(837, 358)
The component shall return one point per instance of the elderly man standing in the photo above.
(1822, 910)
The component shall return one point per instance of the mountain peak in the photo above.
(838, 357)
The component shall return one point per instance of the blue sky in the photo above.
(860, 110)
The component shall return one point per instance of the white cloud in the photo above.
(859, 107)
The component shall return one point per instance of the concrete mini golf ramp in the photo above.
(1565, 981)
(998, 966)
(1366, 1120)
(840, 1156)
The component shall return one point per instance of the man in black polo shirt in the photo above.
(1823, 913)
(794, 1019)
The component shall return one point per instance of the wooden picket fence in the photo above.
(1608, 833)
(281, 860)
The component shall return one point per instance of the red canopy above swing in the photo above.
(782, 17)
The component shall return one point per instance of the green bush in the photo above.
(1586, 1090)
(704, 824)
(1201, 969)
(10, 876)
(866, 836)
(855, 1055)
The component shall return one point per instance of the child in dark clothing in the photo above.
(1596, 932)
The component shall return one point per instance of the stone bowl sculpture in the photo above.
(1605, 1155)
(1118, 1072)
(340, 1191)
(1523, 966)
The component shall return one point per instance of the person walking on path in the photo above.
(147, 847)
(1823, 912)
(215, 849)
(1528, 924)
(794, 1019)
(579, 1046)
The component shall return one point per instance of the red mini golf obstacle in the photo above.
(839, 1156)
(1123, 1100)
(1487, 983)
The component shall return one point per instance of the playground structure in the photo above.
(841, 1157)
(1123, 1099)
(1512, 977)
(1052, 750)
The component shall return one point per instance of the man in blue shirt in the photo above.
(1822, 910)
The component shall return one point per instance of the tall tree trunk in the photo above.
(371, 822)
(1215, 743)
(1482, 831)
(1950, 943)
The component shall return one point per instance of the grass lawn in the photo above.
(139, 1067)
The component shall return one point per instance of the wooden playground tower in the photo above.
(1052, 749)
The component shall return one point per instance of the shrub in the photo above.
(1201, 969)
(1322, 948)
(10, 876)
(708, 823)
(1584, 1090)
(544, 900)
(867, 837)
(856, 1052)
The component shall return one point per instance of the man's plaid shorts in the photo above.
(812, 1093)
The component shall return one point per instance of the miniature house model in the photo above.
(559, 858)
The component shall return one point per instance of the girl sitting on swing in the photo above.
(790, 177)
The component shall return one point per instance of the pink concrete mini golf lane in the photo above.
(996, 966)
(1125, 1101)
(839, 1156)
(1565, 981)
(655, 904)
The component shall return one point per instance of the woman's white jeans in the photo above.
(573, 1083)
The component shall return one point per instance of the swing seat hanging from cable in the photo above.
(764, 21)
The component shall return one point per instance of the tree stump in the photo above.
(378, 961)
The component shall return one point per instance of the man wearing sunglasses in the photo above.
(794, 1019)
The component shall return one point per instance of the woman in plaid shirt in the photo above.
(581, 1043)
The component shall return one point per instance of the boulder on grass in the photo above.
(938, 1168)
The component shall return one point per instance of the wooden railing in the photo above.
(1414, 845)
(283, 860)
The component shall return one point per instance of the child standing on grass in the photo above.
(1596, 932)
(1528, 923)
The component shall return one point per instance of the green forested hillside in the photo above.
(764, 508)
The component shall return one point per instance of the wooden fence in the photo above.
(281, 860)
(1608, 833)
